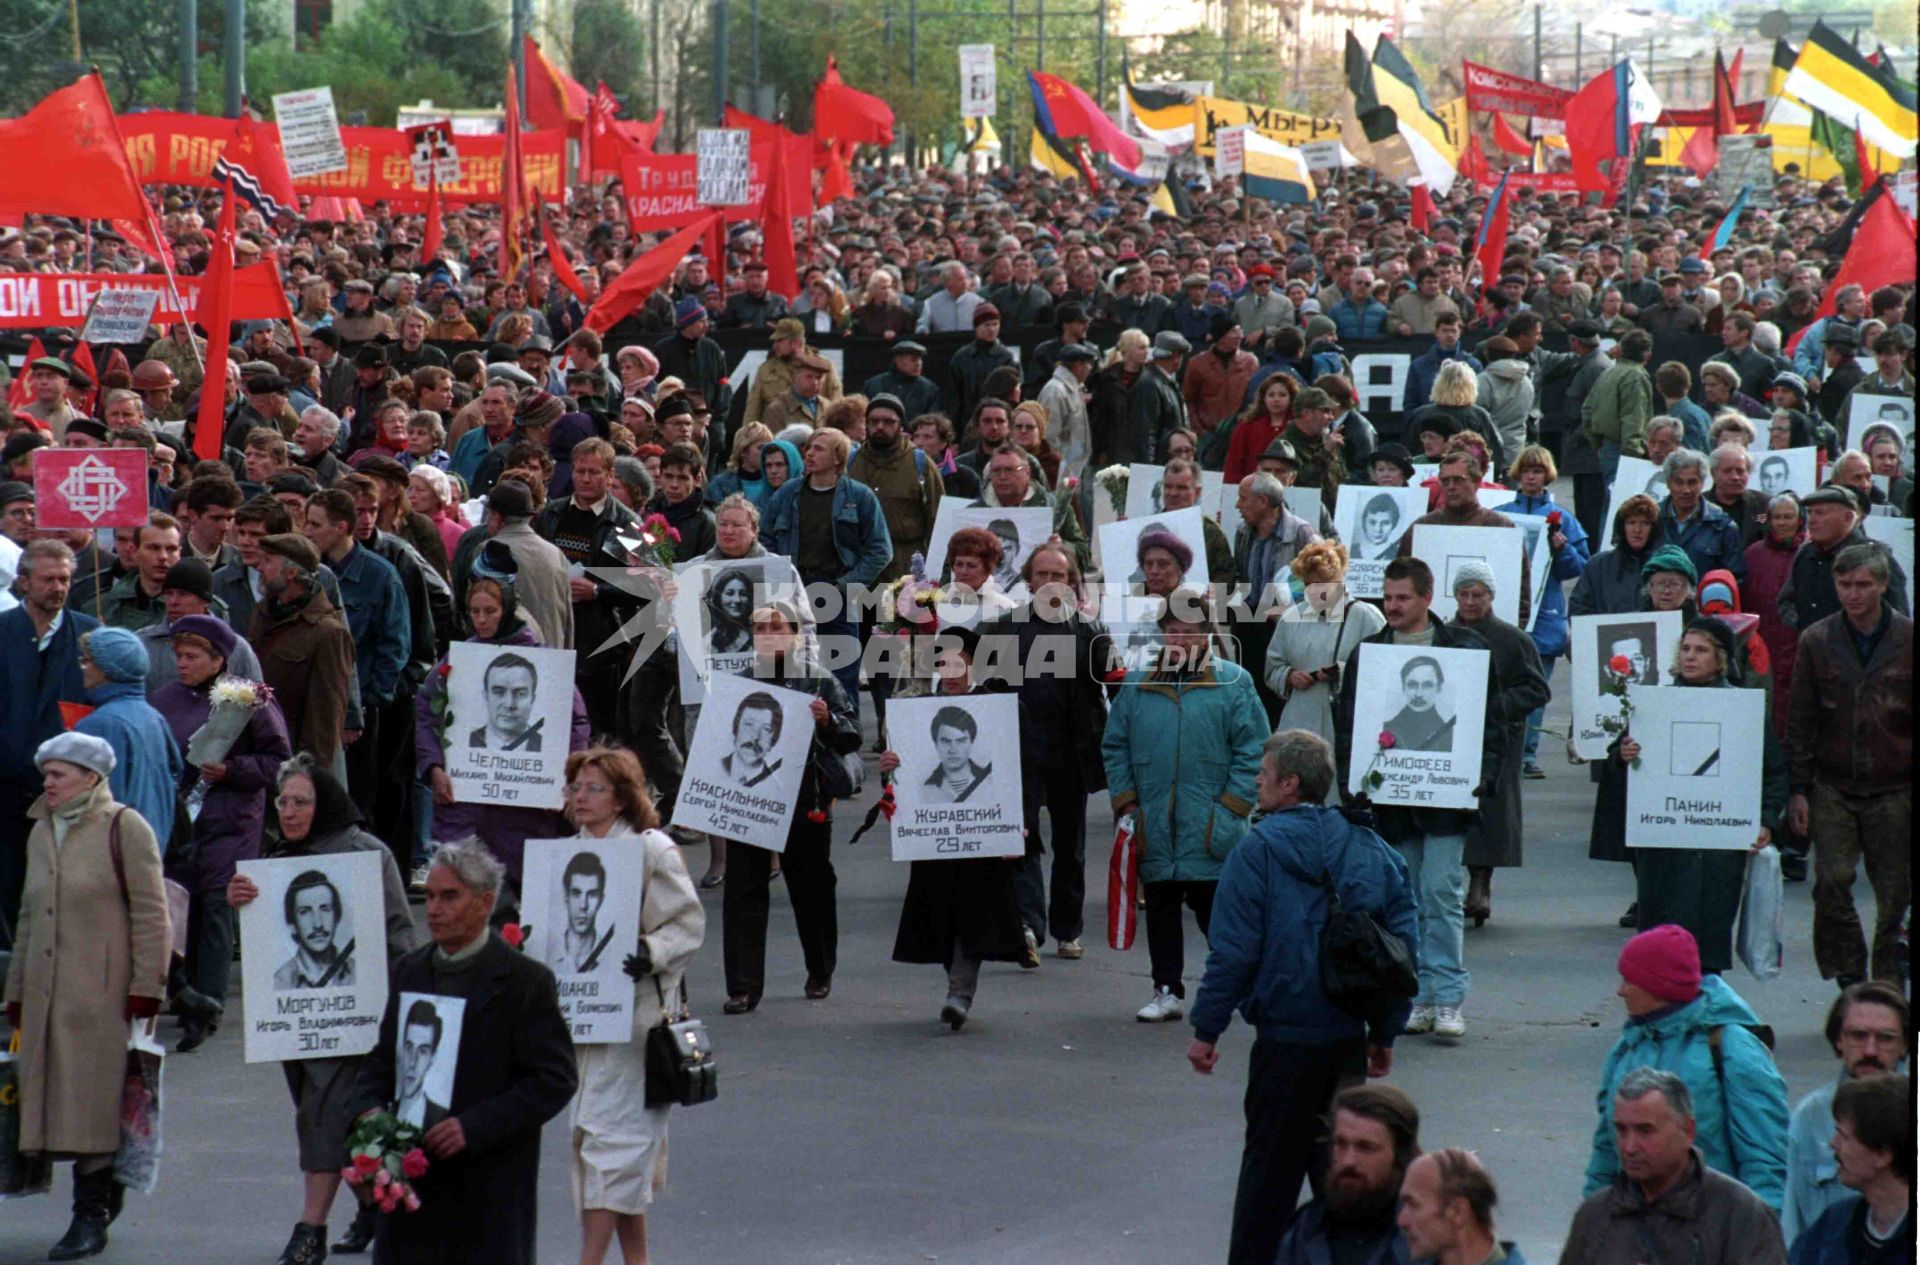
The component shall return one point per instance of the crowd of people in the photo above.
(432, 452)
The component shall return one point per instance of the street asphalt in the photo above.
(1052, 1129)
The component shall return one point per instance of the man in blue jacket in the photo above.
(1426, 366)
(1689, 521)
(833, 529)
(1268, 915)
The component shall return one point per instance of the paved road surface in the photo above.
(1054, 1129)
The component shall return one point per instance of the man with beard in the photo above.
(1376, 1135)
(1867, 1027)
(312, 909)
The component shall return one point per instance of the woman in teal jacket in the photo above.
(1676, 1017)
(1182, 749)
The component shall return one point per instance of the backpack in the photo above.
(1365, 968)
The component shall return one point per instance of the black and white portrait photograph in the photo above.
(1697, 784)
(1372, 521)
(1793, 470)
(958, 790)
(713, 604)
(1642, 642)
(746, 760)
(1447, 549)
(1631, 480)
(1144, 491)
(1021, 530)
(1867, 412)
(508, 723)
(313, 956)
(426, 1053)
(581, 901)
(1419, 713)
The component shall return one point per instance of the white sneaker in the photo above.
(1164, 1008)
(1070, 950)
(1421, 1020)
(1030, 951)
(1449, 1022)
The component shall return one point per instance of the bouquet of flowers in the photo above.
(235, 699)
(654, 546)
(1113, 479)
(384, 1160)
(907, 605)
(1619, 673)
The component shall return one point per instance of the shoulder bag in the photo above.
(681, 1068)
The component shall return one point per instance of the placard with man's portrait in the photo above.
(1632, 648)
(1020, 530)
(1418, 718)
(314, 956)
(747, 758)
(426, 1054)
(958, 791)
(580, 902)
(1777, 470)
(508, 723)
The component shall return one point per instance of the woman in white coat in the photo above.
(619, 1147)
(1314, 640)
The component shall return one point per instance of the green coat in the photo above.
(1619, 407)
(1185, 752)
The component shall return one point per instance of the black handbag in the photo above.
(681, 1068)
(1365, 968)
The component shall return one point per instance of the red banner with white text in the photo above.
(661, 189)
(35, 300)
(1490, 89)
(167, 147)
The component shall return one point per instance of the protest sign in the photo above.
(508, 723)
(1795, 470)
(1645, 640)
(1447, 549)
(1418, 718)
(713, 609)
(1229, 151)
(580, 908)
(979, 82)
(434, 158)
(1130, 615)
(1867, 413)
(1371, 520)
(310, 132)
(313, 956)
(722, 166)
(1636, 477)
(746, 762)
(1536, 559)
(1897, 535)
(120, 315)
(1021, 531)
(1745, 163)
(1143, 488)
(958, 790)
(426, 1056)
(90, 488)
(1698, 781)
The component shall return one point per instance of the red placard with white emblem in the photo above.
(77, 488)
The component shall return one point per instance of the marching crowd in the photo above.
(433, 452)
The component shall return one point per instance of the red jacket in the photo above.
(1250, 439)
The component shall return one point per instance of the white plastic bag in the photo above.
(1760, 940)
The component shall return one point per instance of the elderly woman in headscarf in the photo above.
(1314, 640)
(89, 955)
(494, 613)
(146, 760)
(227, 802)
(318, 818)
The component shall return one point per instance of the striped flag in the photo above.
(1275, 172)
(1835, 78)
(247, 186)
(1724, 234)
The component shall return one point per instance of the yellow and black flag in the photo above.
(1162, 112)
(1835, 78)
(1396, 88)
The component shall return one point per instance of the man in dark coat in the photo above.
(513, 1072)
(40, 663)
(1495, 839)
(916, 392)
(305, 647)
(1158, 408)
(1045, 649)
(968, 369)
(689, 355)
(755, 307)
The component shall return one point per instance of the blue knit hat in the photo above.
(116, 652)
(687, 311)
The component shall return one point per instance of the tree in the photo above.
(608, 45)
(135, 43)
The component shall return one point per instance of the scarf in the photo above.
(279, 611)
(63, 818)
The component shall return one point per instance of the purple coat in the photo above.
(505, 830)
(234, 814)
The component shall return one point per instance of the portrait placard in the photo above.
(1698, 782)
(1021, 530)
(748, 755)
(1304, 504)
(1795, 470)
(1645, 639)
(313, 956)
(581, 899)
(1447, 549)
(1418, 715)
(1637, 476)
(1130, 615)
(713, 614)
(1897, 535)
(510, 717)
(957, 792)
(426, 1054)
(1371, 522)
(1143, 488)
(1867, 412)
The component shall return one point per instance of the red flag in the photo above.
(1882, 254)
(847, 116)
(1490, 245)
(776, 223)
(1863, 157)
(554, 98)
(1603, 123)
(73, 142)
(646, 274)
(562, 266)
(1702, 152)
(838, 182)
(1509, 140)
(1423, 207)
(83, 361)
(216, 299)
(1473, 162)
(1061, 109)
(513, 201)
(20, 393)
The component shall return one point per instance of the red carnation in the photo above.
(1553, 519)
(1387, 741)
(514, 934)
(445, 669)
(1620, 665)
